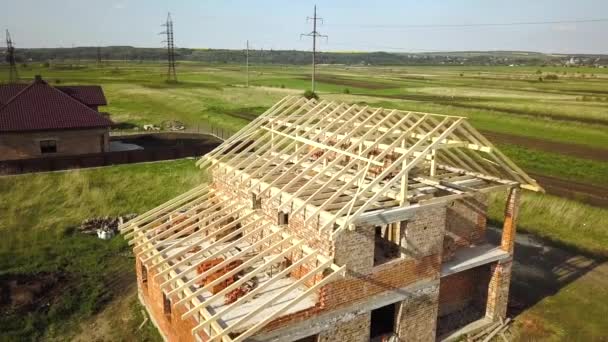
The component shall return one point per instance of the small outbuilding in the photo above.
(38, 120)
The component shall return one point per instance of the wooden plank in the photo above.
(254, 292)
(246, 277)
(226, 261)
(289, 304)
(276, 297)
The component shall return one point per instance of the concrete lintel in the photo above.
(387, 216)
(467, 258)
(319, 323)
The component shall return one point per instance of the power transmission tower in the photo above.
(247, 63)
(13, 76)
(314, 34)
(171, 75)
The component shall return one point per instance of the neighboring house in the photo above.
(38, 120)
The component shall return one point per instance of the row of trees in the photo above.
(281, 56)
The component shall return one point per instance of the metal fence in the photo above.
(55, 163)
(200, 128)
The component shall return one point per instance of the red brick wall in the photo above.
(459, 290)
(466, 220)
(498, 290)
(417, 317)
(386, 277)
(171, 326)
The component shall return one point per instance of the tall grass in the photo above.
(571, 224)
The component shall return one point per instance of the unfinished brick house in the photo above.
(325, 221)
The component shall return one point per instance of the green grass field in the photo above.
(38, 211)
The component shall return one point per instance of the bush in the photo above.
(551, 77)
(309, 94)
(346, 91)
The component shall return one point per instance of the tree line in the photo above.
(295, 57)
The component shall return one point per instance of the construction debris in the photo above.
(143, 313)
(491, 331)
(173, 125)
(105, 227)
(151, 127)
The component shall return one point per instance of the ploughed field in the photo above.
(555, 129)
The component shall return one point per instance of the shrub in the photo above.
(551, 77)
(346, 91)
(309, 94)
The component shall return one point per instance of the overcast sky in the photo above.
(399, 25)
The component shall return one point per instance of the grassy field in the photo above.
(82, 275)
(568, 115)
(571, 111)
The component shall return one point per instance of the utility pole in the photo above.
(247, 63)
(171, 74)
(314, 34)
(13, 76)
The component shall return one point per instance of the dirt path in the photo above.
(351, 82)
(587, 193)
(591, 194)
(574, 150)
(465, 102)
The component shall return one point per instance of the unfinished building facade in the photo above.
(324, 221)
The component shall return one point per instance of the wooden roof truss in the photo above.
(167, 247)
(365, 158)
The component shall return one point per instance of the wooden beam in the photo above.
(254, 292)
(289, 304)
(274, 298)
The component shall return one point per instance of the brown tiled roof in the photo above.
(39, 106)
(89, 95)
(8, 91)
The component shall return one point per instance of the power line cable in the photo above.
(521, 23)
